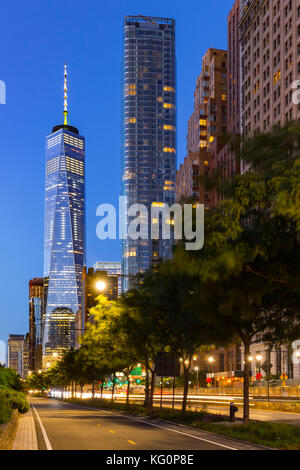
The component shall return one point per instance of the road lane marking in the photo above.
(47, 442)
(161, 427)
(184, 434)
(113, 432)
(132, 442)
(98, 424)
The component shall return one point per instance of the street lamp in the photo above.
(211, 360)
(100, 285)
(258, 358)
(196, 369)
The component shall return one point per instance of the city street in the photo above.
(62, 426)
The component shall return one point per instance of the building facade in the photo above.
(112, 268)
(14, 352)
(148, 130)
(270, 63)
(94, 283)
(36, 303)
(206, 124)
(64, 242)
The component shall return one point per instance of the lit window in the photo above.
(202, 122)
(131, 120)
(169, 88)
(169, 105)
(168, 127)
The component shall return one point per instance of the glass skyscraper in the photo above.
(148, 130)
(64, 242)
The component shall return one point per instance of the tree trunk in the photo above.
(186, 388)
(102, 385)
(93, 389)
(152, 389)
(81, 390)
(112, 390)
(146, 402)
(246, 382)
(128, 389)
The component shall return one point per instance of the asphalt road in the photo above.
(62, 426)
(213, 407)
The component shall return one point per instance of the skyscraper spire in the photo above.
(65, 98)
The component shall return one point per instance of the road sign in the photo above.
(284, 377)
(266, 367)
(208, 380)
(258, 376)
(136, 371)
(167, 365)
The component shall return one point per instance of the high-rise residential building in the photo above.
(14, 352)
(24, 356)
(64, 244)
(270, 64)
(224, 160)
(36, 297)
(206, 124)
(149, 130)
(233, 70)
(112, 268)
(270, 60)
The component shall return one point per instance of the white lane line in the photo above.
(163, 427)
(47, 442)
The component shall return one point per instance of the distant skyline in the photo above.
(37, 39)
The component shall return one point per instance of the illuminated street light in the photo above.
(250, 358)
(55, 354)
(210, 359)
(258, 357)
(39, 371)
(100, 285)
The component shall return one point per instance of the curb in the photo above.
(8, 432)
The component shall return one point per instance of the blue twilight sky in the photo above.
(36, 38)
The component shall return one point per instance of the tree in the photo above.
(248, 270)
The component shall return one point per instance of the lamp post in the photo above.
(197, 370)
(258, 359)
(211, 361)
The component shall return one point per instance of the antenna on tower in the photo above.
(65, 98)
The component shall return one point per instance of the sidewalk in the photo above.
(25, 438)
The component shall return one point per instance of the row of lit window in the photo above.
(73, 141)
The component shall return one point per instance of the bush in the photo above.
(5, 408)
(9, 401)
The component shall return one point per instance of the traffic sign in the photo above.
(266, 367)
(208, 380)
(258, 376)
(284, 377)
